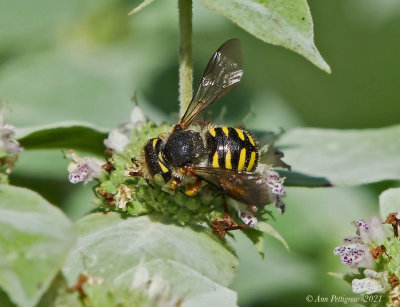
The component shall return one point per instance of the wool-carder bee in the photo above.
(223, 156)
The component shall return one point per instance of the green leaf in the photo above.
(196, 263)
(34, 240)
(64, 136)
(389, 202)
(269, 230)
(140, 6)
(284, 23)
(344, 157)
(257, 237)
(296, 179)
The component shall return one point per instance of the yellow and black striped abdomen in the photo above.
(231, 148)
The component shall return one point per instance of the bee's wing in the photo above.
(246, 187)
(223, 72)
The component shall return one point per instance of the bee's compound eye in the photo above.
(183, 147)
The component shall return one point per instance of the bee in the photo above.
(223, 156)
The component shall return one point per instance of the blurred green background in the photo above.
(71, 60)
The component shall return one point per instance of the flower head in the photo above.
(84, 169)
(8, 143)
(357, 249)
(394, 295)
(123, 196)
(372, 231)
(355, 255)
(275, 184)
(247, 215)
(374, 282)
(119, 138)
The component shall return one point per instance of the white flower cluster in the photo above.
(84, 169)
(356, 253)
(276, 190)
(8, 143)
(119, 137)
(9, 146)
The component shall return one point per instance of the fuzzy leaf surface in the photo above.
(34, 240)
(78, 136)
(285, 23)
(344, 157)
(197, 264)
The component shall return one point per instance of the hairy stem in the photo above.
(185, 54)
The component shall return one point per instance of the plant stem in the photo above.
(185, 54)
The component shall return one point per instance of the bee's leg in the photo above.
(135, 162)
(149, 184)
(194, 188)
(174, 183)
(225, 224)
(136, 171)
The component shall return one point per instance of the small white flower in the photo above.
(354, 239)
(157, 288)
(374, 282)
(137, 116)
(116, 140)
(83, 169)
(119, 138)
(247, 216)
(394, 295)
(123, 196)
(8, 143)
(275, 183)
(372, 231)
(355, 255)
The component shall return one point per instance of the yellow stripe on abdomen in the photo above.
(240, 133)
(242, 159)
(215, 162)
(251, 140)
(228, 162)
(252, 160)
(225, 130)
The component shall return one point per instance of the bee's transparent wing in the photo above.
(223, 73)
(246, 187)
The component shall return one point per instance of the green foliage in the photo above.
(64, 136)
(344, 157)
(284, 23)
(82, 60)
(35, 238)
(256, 235)
(296, 179)
(196, 263)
